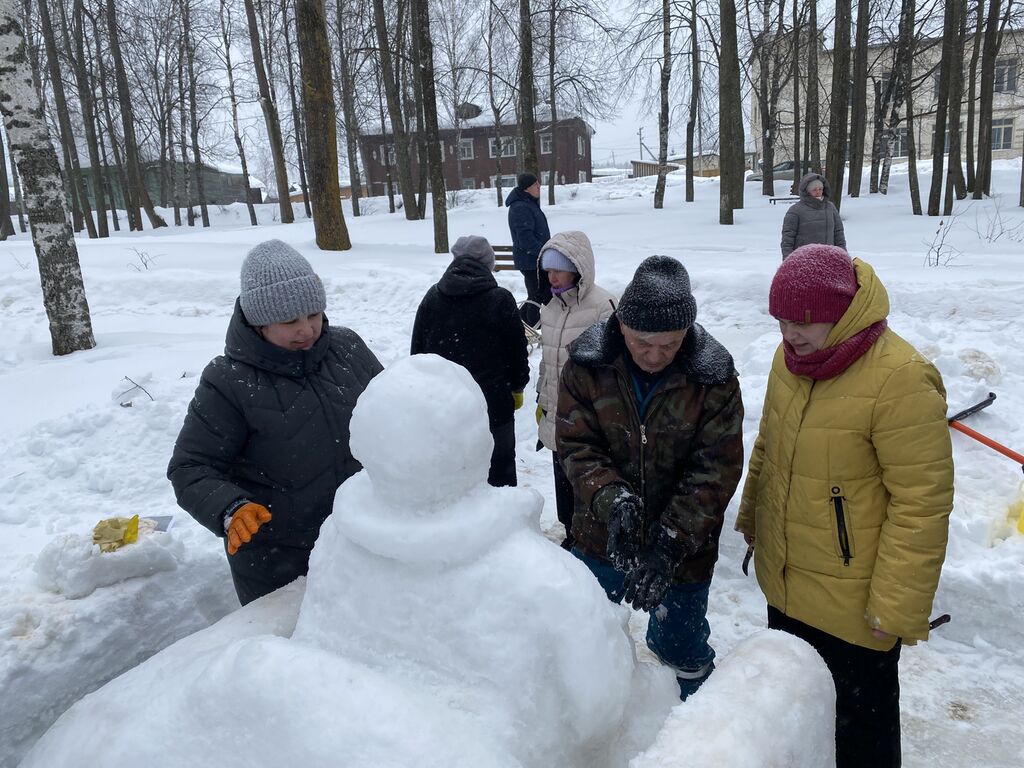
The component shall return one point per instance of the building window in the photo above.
(883, 83)
(579, 146)
(544, 177)
(465, 149)
(507, 181)
(1006, 76)
(1002, 133)
(545, 143)
(390, 148)
(583, 177)
(899, 147)
(508, 146)
(469, 183)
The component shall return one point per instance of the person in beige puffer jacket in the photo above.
(849, 490)
(577, 303)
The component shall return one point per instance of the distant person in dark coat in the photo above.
(469, 319)
(265, 441)
(814, 219)
(529, 227)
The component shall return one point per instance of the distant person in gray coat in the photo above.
(264, 445)
(814, 219)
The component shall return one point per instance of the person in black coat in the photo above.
(265, 443)
(529, 228)
(469, 319)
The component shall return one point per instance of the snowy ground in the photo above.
(71, 454)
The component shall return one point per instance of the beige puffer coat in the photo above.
(564, 318)
(850, 486)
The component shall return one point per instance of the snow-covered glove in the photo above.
(517, 399)
(625, 523)
(648, 582)
(246, 520)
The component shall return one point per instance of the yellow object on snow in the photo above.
(1017, 509)
(114, 532)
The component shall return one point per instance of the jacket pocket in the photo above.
(843, 524)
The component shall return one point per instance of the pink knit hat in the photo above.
(815, 284)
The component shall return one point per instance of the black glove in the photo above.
(625, 522)
(648, 582)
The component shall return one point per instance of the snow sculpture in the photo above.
(426, 570)
(438, 627)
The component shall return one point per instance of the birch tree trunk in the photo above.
(60, 273)
(425, 74)
(663, 114)
(318, 105)
(270, 116)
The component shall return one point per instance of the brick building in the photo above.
(471, 155)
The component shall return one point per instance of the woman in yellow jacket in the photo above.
(849, 490)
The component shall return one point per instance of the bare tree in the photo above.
(59, 270)
(730, 116)
(691, 122)
(527, 126)
(393, 96)
(663, 113)
(89, 122)
(139, 194)
(813, 119)
(318, 106)
(6, 228)
(858, 107)
(835, 154)
(990, 50)
(67, 140)
(795, 74)
(270, 115)
(298, 127)
(949, 27)
(425, 74)
(347, 87)
(225, 31)
(955, 183)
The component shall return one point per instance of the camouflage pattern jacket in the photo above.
(684, 459)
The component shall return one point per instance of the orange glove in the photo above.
(246, 520)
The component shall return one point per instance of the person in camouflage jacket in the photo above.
(649, 429)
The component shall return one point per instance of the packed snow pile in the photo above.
(770, 704)
(434, 606)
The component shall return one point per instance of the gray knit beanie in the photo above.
(279, 285)
(658, 298)
(474, 247)
(552, 258)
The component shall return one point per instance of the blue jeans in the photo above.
(678, 631)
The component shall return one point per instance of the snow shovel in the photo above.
(1017, 507)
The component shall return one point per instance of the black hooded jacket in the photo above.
(469, 319)
(272, 426)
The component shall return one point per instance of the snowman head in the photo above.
(420, 430)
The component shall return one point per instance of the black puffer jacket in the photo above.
(271, 426)
(528, 226)
(469, 319)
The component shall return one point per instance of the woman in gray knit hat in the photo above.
(265, 441)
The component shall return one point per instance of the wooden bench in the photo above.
(774, 200)
(503, 258)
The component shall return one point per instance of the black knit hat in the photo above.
(658, 298)
(525, 180)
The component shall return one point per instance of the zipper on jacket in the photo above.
(844, 536)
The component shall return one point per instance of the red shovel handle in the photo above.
(959, 427)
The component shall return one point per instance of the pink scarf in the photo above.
(829, 362)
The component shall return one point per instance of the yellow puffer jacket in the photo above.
(850, 486)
